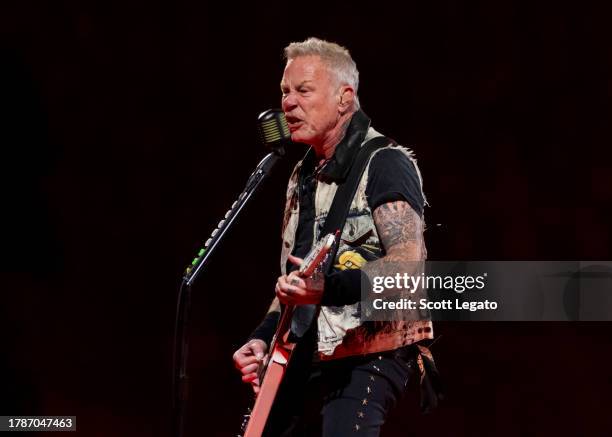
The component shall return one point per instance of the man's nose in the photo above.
(289, 102)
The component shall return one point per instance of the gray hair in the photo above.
(337, 58)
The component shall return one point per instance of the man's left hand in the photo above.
(292, 289)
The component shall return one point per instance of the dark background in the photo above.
(127, 129)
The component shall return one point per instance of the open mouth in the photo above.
(293, 122)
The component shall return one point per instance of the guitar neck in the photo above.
(272, 371)
(284, 325)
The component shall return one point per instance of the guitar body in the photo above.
(273, 371)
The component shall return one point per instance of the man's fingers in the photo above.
(296, 281)
(281, 283)
(291, 294)
(295, 260)
(244, 360)
(293, 290)
(252, 352)
(250, 368)
(284, 297)
(250, 377)
(291, 284)
(258, 348)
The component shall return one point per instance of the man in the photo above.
(359, 369)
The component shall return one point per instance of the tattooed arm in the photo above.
(400, 230)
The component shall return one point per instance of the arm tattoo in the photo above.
(400, 230)
(397, 224)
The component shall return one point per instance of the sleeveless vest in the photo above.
(340, 331)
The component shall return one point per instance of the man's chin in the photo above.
(296, 138)
(299, 137)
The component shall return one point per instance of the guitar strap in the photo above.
(304, 315)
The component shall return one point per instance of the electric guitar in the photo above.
(272, 371)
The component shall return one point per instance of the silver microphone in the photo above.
(273, 129)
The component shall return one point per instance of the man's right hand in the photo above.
(247, 360)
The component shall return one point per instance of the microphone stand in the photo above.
(181, 380)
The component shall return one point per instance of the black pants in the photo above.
(347, 397)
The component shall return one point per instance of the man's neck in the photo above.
(327, 148)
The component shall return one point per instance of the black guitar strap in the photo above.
(341, 205)
(304, 315)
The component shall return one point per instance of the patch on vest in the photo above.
(350, 260)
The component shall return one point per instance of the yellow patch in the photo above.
(350, 260)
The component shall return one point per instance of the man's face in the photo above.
(310, 99)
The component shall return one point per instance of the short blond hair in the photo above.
(337, 58)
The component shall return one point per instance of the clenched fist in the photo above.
(248, 360)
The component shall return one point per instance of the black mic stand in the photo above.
(181, 380)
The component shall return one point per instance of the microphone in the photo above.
(273, 130)
(274, 133)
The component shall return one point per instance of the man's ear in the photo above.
(347, 97)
